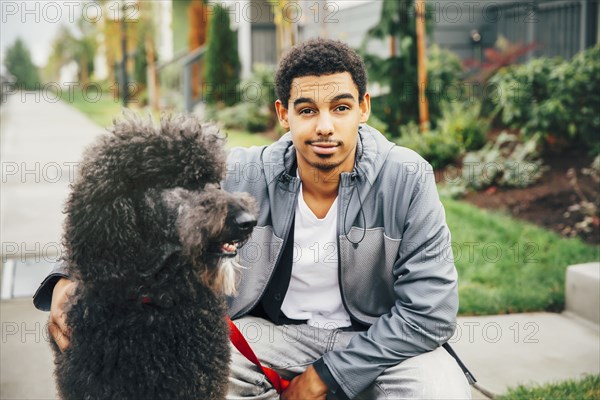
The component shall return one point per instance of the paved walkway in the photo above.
(40, 144)
(501, 351)
(504, 351)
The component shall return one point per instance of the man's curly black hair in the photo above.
(319, 57)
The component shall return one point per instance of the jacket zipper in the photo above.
(287, 234)
(340, 221)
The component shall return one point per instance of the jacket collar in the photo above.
(372, 149)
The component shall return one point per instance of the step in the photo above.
(582, 289)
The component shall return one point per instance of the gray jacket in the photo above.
(399, 278)
(396, 268)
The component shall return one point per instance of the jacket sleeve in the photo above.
(42, 299)
(426, 299)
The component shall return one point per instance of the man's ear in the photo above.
(365, 108)
(282, 115)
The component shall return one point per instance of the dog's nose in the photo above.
(245, 221)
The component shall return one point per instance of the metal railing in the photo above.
(180, 81)
(191, 88)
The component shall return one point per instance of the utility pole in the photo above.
(152, 76)
(422, 64)
(124, 80)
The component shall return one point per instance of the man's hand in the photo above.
(307, 386)
(57, 324)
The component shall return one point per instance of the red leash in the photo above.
(243, 347)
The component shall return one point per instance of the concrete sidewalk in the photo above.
(25, 355)
(504, 351)
(40, 145)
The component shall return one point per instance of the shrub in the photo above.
(444, 72)
(506, 162)
(438, 148)
(551, 97)
(256, 110)
(378, 124)
(222, 63)
(462, 122)
(585, 210)
(459, 129)
(245, 115)
(583, 85)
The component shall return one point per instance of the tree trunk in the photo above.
(198, 18)
(422, 64)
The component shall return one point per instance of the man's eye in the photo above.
(342, 108)
(306, 111)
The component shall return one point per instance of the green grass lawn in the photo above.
(99, 107)
(508, 266)
(585, 389)
(103, 109)
(237, 138)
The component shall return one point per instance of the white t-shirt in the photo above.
(314, 290)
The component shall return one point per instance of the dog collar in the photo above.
(167, 251)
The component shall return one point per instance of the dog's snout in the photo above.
(245, 221)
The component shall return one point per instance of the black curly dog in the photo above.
(149, 238)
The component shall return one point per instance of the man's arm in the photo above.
(424, 314)
(57, 323)
(42, 298)
(51, 296)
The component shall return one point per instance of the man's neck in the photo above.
(319, 187)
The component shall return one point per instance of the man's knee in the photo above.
(433, 375)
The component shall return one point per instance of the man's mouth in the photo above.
(324, 147)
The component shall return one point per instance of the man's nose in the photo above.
(324, 124)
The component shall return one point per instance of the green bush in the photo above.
(222, 63)
(246, 116)
(438, 148)
(506, 162)
(459, 129)
(378, 124)
(462, 122)
(19, 63)
(583, 84)
(256, 110)
(444, 71)
(550, 96)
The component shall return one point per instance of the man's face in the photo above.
(323, 114)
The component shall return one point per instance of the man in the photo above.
(348, 285)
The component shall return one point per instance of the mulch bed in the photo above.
(546, 203)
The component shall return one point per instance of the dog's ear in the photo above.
(106, 230)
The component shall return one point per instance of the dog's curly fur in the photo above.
(147, 317)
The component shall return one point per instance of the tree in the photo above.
(222, 63)
(399, 71)
(18, 62)
(286, 28)
(79, 47)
